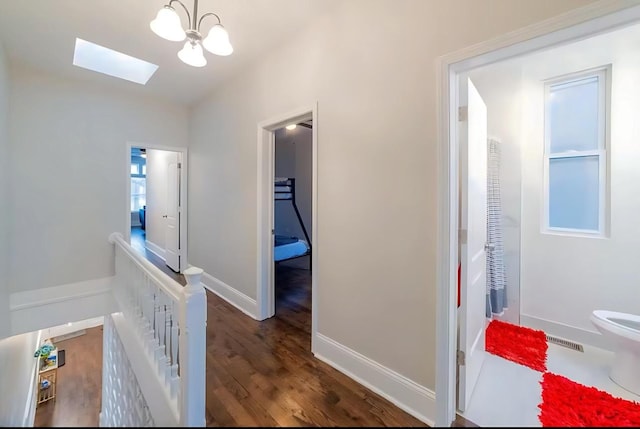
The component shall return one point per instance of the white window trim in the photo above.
(604, 79)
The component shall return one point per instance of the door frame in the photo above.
(266, 170)
(593, 19)
(184, 263)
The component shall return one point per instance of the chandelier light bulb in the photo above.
(192, 54)
(217, 41)
(167, 25)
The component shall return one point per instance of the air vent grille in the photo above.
(565, 343)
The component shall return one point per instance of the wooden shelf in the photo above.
(48, 375)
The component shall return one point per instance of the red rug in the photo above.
(570, 404)
(521, 345)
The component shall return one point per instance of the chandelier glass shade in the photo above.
(168, 25)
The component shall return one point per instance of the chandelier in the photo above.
(168, 26)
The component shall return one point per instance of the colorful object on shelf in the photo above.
(44, 351)
(44, 384)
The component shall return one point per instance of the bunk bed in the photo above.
(286, 247)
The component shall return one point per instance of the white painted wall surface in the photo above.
(370, 65)
(70, 328)
(293, 159)
(565, 278)
(500, 86)
(4, 195)
(68, 145)
(157, 170)
(17, 372)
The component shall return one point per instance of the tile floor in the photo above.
(508, 394)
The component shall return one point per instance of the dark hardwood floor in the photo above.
(138, 237)
(79, 387)
(258, 373)
(263, 373)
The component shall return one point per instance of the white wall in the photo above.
(294, 159)
(157, 174)
(17, 372)
(4, 195)
(565, 278)
(68, 142)
(69, 328)
(370, 65)
(500, 86)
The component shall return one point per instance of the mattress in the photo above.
(282, 192)
(289, 247)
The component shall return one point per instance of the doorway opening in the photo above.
(156, 205)
(287, 214)
(454, 317)
(292, 222)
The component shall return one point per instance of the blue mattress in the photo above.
(288, 247)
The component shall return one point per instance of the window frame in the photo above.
(604, 107)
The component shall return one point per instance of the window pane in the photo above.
(138, 193)
(144, 169)
(134, 169)
(573, 116)
(574, 192)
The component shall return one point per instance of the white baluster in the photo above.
(193, 322)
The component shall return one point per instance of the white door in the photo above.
(473, 235)
(172, 218)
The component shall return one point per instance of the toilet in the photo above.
(623, 330)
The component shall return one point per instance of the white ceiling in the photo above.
(41, 34)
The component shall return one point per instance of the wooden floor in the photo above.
(79, 388)
(258, 373)
(263, 373)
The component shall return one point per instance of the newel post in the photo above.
(192, 349)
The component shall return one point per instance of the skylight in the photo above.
(113, 63)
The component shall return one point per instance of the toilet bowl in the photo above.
(623, 330)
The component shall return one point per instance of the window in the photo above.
(138, 184)
(575, 165)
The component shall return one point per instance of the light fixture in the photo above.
(168, 26)
(291, 127)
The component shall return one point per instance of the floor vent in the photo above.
(565, 343)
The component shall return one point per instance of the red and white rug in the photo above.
(564, 402)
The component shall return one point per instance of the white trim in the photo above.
(66, 303)
(266, 153)
(594, 18)
(406, 394)
(239, 300)
(30, 408)
(55, 294)
(567, 332)
(184, 203)
(155, 249)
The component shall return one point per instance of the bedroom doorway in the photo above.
(156, 205)
(287, 216)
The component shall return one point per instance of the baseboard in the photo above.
(155, 249)
(567, 332)
(43, 308)
(406, 394)
(242, 302)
